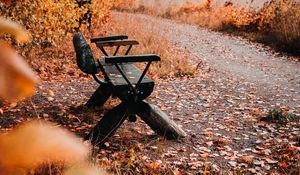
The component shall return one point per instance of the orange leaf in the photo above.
(7, 2)
(283, 165)
(246, 159)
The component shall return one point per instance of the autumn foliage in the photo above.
(277, 20)
(50, 21)
(124, 4)
(276, 23)
(282, 20)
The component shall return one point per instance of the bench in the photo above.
(122, 79)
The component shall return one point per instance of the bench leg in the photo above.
(100, 96)
(159, 121)
(108, 125)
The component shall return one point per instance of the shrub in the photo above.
(49, 21)
(279, 115)
(277, 21)
(281, 19)
(238, 18)
(124, 5)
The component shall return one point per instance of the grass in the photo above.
(279, 115)
(171, 64)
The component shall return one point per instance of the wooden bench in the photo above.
(122, 79)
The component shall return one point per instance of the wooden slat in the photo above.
(131, 71)
(131, 58)
(117, 43)
(109, 38)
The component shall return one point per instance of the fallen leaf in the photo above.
(51, 93)
(50, 99)
(232, 163)
(207, 133)
(270, 161)
(218, 141)
(13, 105)
(259, 163)
(283, 165)
(246, 159)
(154, 166)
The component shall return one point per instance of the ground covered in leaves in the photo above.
(223, 108)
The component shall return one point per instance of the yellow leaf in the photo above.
(17, 80)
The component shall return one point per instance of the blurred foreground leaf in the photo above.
(35, 143)
(9, 27)
(17, 80)
(84, 170)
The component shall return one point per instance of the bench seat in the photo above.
(119, 84)
(131, 71)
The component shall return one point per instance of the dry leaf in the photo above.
(154, 166)
(7, 2)
(51, 93)
(34, 143)
(219, 141)
(246, 159)
(9, 27)
(283, 165)
(17, 80)
(232, 163)
(207, 133)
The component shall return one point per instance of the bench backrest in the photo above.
(84, 55)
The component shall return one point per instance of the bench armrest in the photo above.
(109, 38)
(131, 58)
(117, 43)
